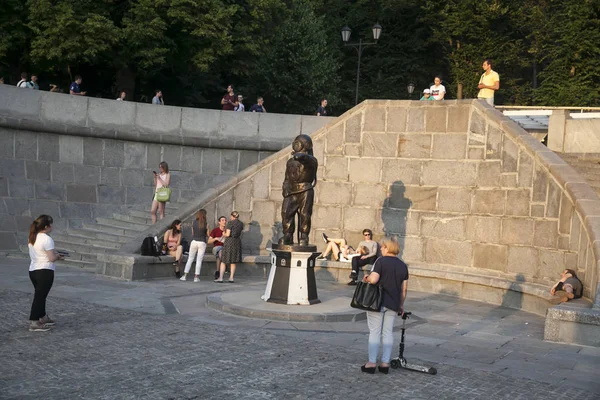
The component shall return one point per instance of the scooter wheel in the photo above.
(395, 363)
(432, 371)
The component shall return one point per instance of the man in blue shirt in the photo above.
(33, 83)
(259, 107)
(322, 111)
(158, 99)
(74, 89)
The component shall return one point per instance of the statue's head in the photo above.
(303, 144)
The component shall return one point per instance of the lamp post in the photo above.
(410, 88)
(359, 48)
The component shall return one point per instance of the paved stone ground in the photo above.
(157, 340)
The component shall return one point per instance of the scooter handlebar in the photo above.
(406, 315)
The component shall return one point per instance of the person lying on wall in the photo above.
(340, 250)
(569, 287)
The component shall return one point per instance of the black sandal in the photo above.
(370, 370)
(384, 370)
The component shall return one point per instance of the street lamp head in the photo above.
(346, 33)
(376, 31)
(410, 88)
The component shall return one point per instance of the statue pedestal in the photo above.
(292, 276)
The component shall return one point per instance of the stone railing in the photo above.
(90, 117)
(569, 135)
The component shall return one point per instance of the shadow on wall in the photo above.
(394, 214)
(252, 239)
(513, 298)
(276, 233)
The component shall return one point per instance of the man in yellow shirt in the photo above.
(489, 83)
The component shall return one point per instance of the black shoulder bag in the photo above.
(367, 296)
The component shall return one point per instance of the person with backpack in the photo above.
(24, 83)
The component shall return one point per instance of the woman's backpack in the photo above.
(150, 247)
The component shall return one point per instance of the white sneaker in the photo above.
(196, 279)
(37, 326)
(183, 277)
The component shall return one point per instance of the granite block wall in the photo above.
(79, 158)
(77, 179)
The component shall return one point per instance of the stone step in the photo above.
(73, 255)
(87, 257)
(15, 254)
(110, 229)
(134, 226)
(146, 220)
(83, 261)
(82, 248)
(140, 213)
(85, 265)
(94, 234)
(77, 239)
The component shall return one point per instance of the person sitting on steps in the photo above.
(569, 287)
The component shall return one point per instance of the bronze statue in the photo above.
(298, 192)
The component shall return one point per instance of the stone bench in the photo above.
(134, 267)
(487, 286)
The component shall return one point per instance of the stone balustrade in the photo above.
(138, 122)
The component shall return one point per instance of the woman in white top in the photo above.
(161, 179)
(41, 271)
(122, 96)
(438, 91)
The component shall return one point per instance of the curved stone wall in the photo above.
(462, 186)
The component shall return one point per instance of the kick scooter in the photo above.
(400, 361)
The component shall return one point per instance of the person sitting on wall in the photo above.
(172, 239)
(569, 287)
(216, 238)
(366, 259)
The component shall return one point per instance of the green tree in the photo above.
(300, 68)
(68, 33)
(471, 31)
(571, 51)
(14, 39)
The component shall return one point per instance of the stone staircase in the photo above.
(106, 235)
(587, 164)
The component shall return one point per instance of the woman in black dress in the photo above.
(232, 247)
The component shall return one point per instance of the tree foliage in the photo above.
(299, 66)
(290, 51)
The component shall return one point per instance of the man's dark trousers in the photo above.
(358, 262)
